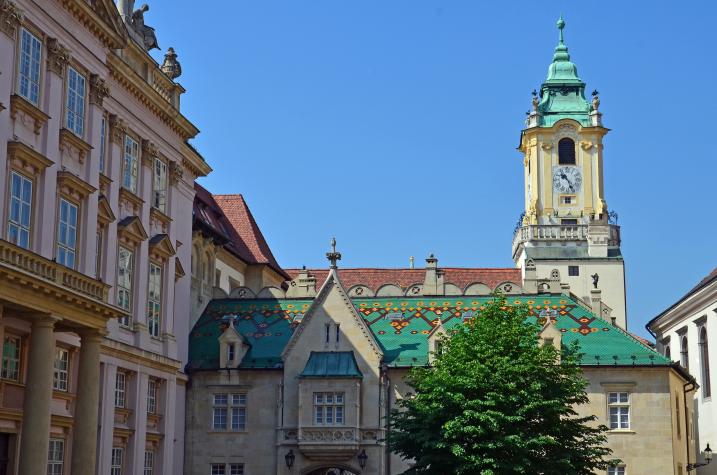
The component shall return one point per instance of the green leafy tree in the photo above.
(494, 402)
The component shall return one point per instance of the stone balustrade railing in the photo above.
(51, 272)
(563, 232)
(335, 435)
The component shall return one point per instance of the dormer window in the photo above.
(232, 347)
(566, 152)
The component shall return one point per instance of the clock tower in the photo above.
(566, 225)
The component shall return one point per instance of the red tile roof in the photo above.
(229, 218)
(375, 278)
(242, 221)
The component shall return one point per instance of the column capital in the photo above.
(58, 56)
(44, 320)
(91, 334)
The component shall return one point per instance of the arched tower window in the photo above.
(566, 152)
(684, 353)
(705, 362)
(667, 351)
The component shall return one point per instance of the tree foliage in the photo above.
(494, 402)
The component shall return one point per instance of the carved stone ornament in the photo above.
(567, 130)
(98, 89)
(546, 146)
(175, 172)
(586, 145)
(171, 66)
(57, 56)
(10, 17)
(118, 129)
(149, 152)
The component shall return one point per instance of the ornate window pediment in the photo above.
(130, 231)
(178, 270)
(24, 158)
(73, 186)
(160, 247)
(105, 215)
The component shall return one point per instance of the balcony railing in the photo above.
(39, 267)
(564, 232)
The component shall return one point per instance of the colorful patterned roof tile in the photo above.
(402, 326)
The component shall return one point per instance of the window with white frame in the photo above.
(103, 143)
(67, 234)
(219, 469)
(120, 389)
(619, 409)
(159, 185)
(231, 352)
(220, 409)
(684, 352)
(11, 352)
(706, 382)
(229, 412)
(62, 365)
(148, 462)
(75, 105)
(236, 469)
(329, 408)
(125, 268)
(130, 164)
(154, 300)
(117, 462)
(20, 212)
(56, 457)
(152, 396)
(28, 78)
(616, 470)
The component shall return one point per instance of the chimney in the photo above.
(410, 262)
(433, 284)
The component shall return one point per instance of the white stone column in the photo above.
(35, 436)
(84, 445)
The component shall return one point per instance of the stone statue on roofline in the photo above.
(134, 19)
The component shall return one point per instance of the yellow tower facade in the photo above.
(566, 228)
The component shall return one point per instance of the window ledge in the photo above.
(621, 431)
(227, 431)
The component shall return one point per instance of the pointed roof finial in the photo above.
(561, 25)
(333, 256)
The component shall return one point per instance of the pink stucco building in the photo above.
(96, 191)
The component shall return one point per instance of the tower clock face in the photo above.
(567, 179)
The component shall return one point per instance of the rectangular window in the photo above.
(567, 199)
(619, 407)
(616, 471)
(55, 457)
(159, 185)
(75, 119)
(238, 411)
(28, 78)
(236, 469)
(329, 408)
(220, 411)
(117, 461)
(573, 271)
(67, 234)
(11, 358)
(154, 300)
(120, 389)
(62, 365)
(20, 212)
(130, 164)
(152, 396)
(124, 282)
(218, 469)
(230, 352)
(103, 143)
(148, 462)
(569, 221)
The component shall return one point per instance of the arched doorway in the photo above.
(332, 471)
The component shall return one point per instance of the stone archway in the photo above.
(331, 471)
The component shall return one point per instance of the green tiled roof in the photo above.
(331, 364)
(402, 325)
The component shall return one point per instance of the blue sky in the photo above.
(392, 124)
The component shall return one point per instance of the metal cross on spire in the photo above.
(333, 256)
(561, 25)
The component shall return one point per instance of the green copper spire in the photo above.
(562, 95)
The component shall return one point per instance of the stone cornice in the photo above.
(101, 18)
(685, 309)
(149, 97)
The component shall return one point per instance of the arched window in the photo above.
(667, 352)
(684, 354)
(705, 362)
(566, 152)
